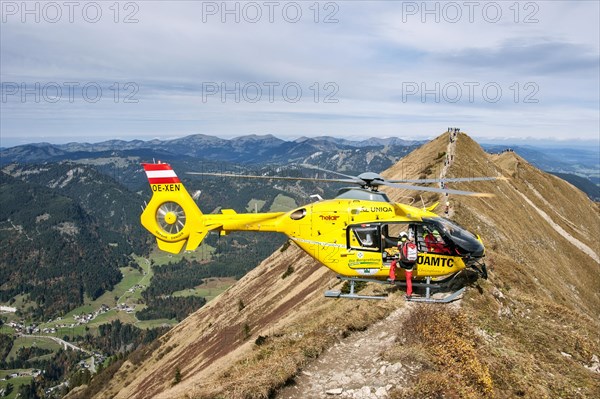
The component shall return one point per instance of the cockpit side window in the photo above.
(460, 239)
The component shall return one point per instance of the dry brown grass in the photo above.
(281, 356)
(451, 363)
(524, 346)
(534, 324)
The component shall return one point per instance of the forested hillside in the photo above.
(53, 250)
(113, 207)
(73, 225)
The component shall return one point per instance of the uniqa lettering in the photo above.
(380, 209)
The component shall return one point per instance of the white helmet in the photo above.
(403, 236)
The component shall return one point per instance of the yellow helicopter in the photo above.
(354, 234)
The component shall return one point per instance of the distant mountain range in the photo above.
(332, 153)
(188, 143)
(253, 149)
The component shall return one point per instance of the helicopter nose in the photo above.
(482, 252)
(471, 246)
(479, 251)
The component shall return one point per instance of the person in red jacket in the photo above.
(436, 246)
(408, 255)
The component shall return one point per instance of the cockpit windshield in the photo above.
(458, 235)
(452, 229)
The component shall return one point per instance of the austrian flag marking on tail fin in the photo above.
(160, 173)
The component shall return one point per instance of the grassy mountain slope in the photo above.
(533, 325)
(585, 185)
(248, 341)
(528, 331)
(539, 325)
(539, 223)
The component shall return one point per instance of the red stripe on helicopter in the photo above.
(164, 180)
(156, 166)
(160, 173)
(162, 176)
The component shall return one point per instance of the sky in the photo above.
(92, 71)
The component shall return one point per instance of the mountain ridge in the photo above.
(119, 144)
(531, 327)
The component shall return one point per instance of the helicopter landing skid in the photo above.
(428, 287)
(426, 299)
(352, 294)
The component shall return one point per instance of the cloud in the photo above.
(367, 61)
(534, 58)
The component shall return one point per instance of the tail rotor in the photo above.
(170, 216)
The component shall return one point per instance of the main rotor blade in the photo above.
(309, 166)
(436, 190)
(449, 180)
(274, 177)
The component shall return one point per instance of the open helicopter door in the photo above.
(364, 248)
(369, 246)
(363, 256)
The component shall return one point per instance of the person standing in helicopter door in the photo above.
(408, 255)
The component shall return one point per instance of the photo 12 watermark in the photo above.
(471, 92)
(253, 92)
(253, 12)
(72, 92)
(453, 12)
(53, 12)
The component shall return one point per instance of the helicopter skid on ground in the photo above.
(428, 285)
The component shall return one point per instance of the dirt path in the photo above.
(450, 154)
(353, 368)
(578, 244)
